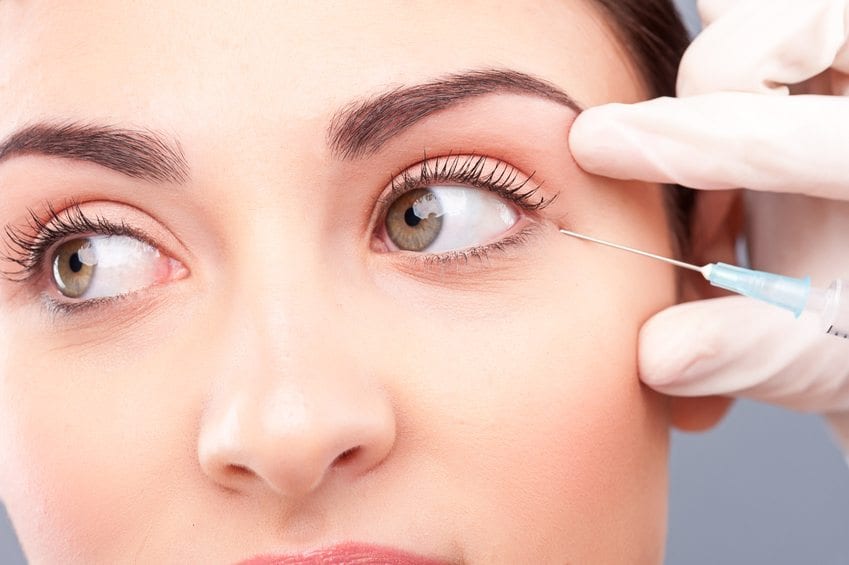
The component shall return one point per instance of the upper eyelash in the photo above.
(469, 170)
(28, 246)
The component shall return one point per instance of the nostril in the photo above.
(238, 470)
(346, 456)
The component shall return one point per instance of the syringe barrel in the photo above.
(832, 308)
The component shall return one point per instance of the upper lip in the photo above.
(344, 554)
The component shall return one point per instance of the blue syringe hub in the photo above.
(786, 292)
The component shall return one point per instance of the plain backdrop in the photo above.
(766, 486)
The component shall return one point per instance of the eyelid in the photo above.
(47, 230)
(111, 218)
(115, 213)
(479, 171)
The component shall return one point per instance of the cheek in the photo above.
(532, 404)
(87, 443)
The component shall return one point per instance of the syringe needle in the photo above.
(675, 262)
(789, 293)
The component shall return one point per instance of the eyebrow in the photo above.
(363, 127)
(357, 130)
(141, 154)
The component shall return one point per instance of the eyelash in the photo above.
(469, 170)
(29, 246)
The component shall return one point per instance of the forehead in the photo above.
(168, 62)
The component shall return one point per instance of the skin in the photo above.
(493, 407)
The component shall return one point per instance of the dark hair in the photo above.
(655, 36)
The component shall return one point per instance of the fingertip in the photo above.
(623, 141)
(668, 350)
(590, 138)
(597, 140)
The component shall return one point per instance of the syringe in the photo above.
(795, 295)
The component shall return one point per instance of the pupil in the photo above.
(410, 217)
(75, 263)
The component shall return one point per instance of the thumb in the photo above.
(737, 346)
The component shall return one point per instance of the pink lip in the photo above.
(345, 554)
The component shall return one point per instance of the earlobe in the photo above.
(698, 414)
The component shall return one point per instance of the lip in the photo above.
(345, 554)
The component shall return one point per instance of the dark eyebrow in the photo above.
(365, 126)
(141, 154)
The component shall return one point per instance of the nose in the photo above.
(290, 432)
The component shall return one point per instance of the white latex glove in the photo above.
(740, 123)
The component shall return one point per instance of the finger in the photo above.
(736, 346)
(719, 141)
(762, 45)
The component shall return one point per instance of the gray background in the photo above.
(766, 486)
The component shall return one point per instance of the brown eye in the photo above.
(414, 220)
(74, 264)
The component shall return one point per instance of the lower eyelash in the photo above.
(466, 256)
(56, 308)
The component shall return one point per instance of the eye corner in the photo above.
(177, 270)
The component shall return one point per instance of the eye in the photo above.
(437, 219)
(104, 266)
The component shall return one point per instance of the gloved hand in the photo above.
(763, 106)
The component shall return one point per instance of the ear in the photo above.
(698, 414)
(716, 224)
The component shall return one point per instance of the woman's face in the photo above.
(309, 353)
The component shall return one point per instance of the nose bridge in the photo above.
(280, 283)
